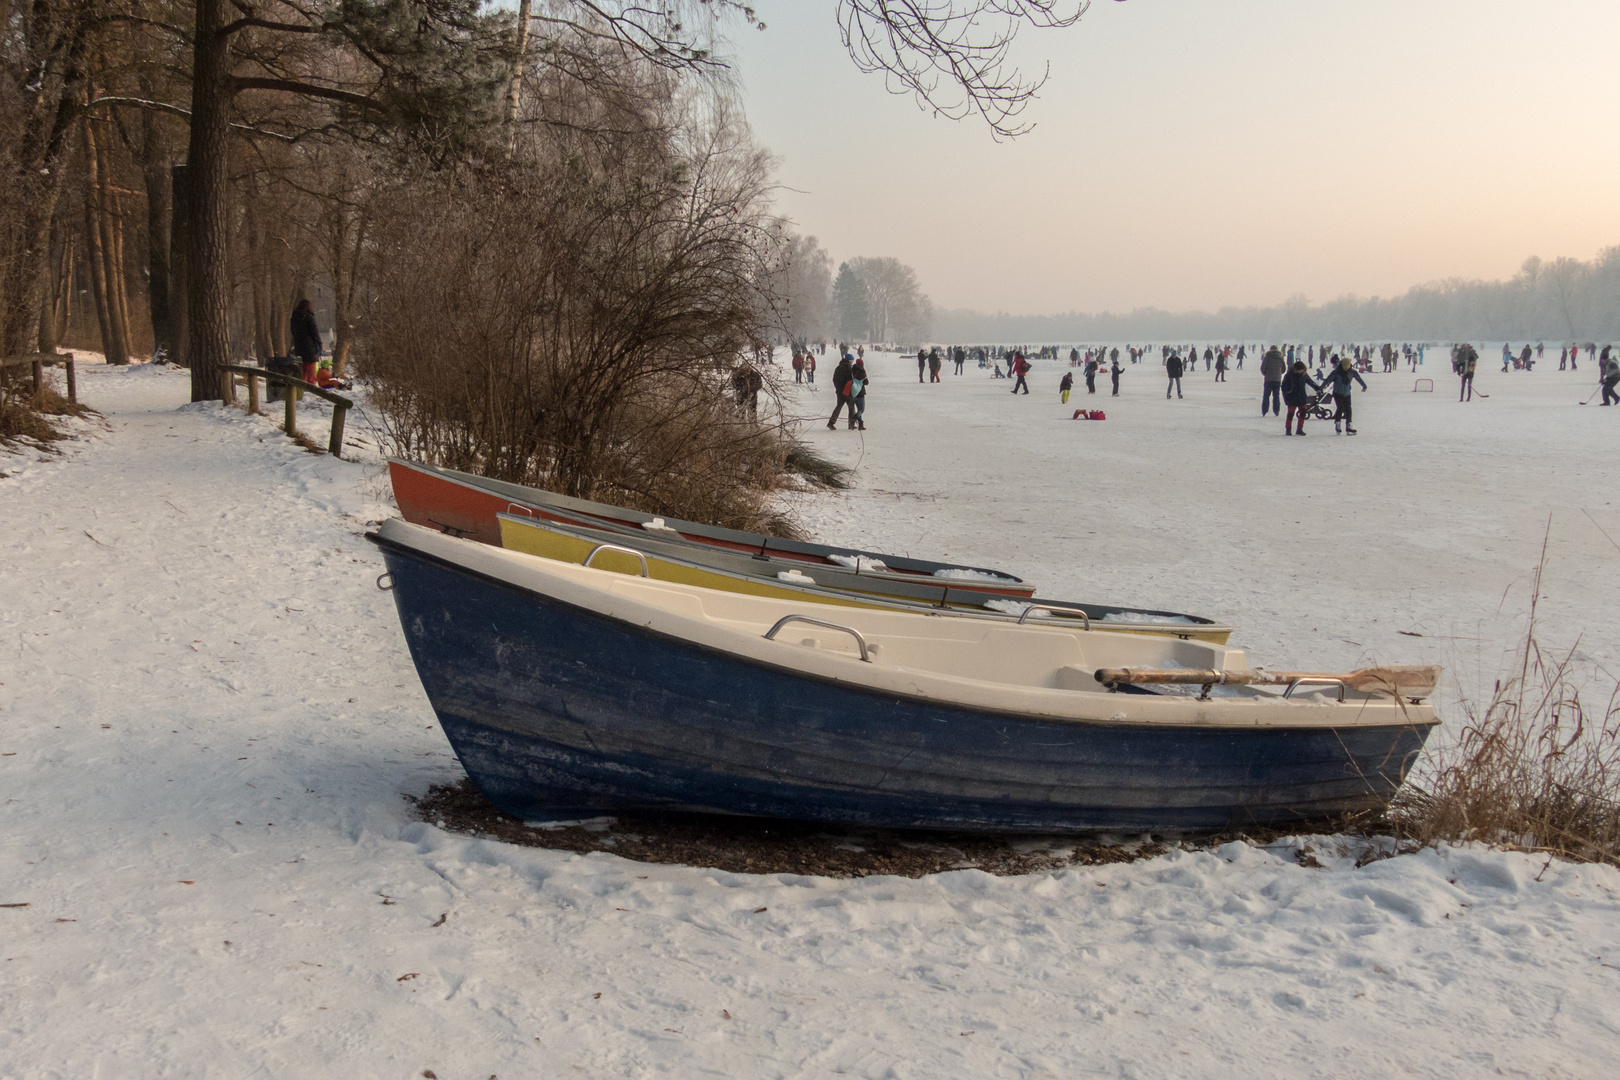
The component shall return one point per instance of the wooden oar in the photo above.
(1396, 680)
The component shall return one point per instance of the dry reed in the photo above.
(1536, 767)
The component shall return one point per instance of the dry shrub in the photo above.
(1536, 768)
(19, 423)
(577, 320)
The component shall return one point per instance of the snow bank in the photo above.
(208, 719)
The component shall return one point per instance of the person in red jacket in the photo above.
(1020, 368)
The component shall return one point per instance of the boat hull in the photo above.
(556, 712)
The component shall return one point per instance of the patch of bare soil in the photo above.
(768, 846)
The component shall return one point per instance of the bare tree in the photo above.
(953, 54)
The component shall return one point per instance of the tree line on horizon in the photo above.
(1564, 300)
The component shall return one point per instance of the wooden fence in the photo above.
(340, 404)
(39, 362)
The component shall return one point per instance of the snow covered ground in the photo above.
(208, 718)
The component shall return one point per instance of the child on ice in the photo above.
(1066, 385)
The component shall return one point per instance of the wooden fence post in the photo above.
(253, 395)
(39, 376)
(291, 416)
(72, 380)
(334, 445)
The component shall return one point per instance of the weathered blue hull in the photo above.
(558, 712)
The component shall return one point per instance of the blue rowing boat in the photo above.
(570, 692)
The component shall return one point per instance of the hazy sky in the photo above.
(1197, 153)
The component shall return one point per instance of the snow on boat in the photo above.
(759, 575)
(466, 505)
(569, 691)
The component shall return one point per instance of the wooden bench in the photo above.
(39, 361)
(340, 404)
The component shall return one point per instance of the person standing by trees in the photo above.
(810, 368)
(306, 338)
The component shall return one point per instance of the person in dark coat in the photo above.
(934, 364)
(1272, 369)
(1465, 363)
(857, 394)
(1065, 384)
(1091, 374)
(843, 375)
(922, 363)
(1172, 368)
(1293, 393)
(1338, 380)
(306, 339)
(1114, 372)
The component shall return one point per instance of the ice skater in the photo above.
(1338, 380)
(1609, 373)
(1172, 368)
(1466, 363)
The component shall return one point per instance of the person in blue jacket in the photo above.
(1338, 380)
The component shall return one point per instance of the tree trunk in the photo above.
(112, 232)
(515, 91)
(207, 262)
(258, 275)
(155, 174)
(179, 245)
(96, 245)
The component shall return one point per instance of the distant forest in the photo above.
(1560, 301)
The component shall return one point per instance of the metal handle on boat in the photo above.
(518, 508)
(621, 550)
(1294, 684)
(1077, 611)
(388, 587)
(770, 635)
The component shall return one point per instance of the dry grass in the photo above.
(1536, 767)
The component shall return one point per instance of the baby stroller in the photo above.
(1321, 407)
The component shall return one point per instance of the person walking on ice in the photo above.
(1272, 369)
(1338, 380)
(1172, 368)
(1293, 392)
(1020, 368)
(1065, 385)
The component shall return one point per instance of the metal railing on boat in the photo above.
(770, 635)
(642, 559)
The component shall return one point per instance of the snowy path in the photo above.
(208, 717)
